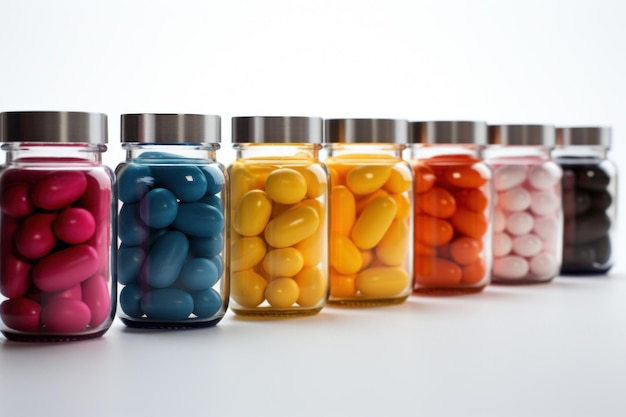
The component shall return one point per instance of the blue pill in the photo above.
(187, 182)
(206, 247)
(214, 201)
(167, 158)
(158, 208)
(214, 178)
(199, 219)
(131, 229)
(198, 274)
(129, 261)
(219, 264)
(133, 181)
(206, 303)
(169, 304)
(156, 234)
(165, 259)
(130, 300)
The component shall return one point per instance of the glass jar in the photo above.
(453, 200)
(279, 211)
(57, 282)
(370, 211)
(589, 199)
(528, 216)
(172, 246)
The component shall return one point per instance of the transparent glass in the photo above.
(57, 280)
(371, 224)
(279, 230)
(528, 215)
(172, 238)
(589, 209)
(453, 208)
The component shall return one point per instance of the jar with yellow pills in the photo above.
(371, 222)
(279, 230)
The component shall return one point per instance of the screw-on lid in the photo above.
(588, 135)
(171, 128)
(53, 126)
(366, 131)
(448, 132)
(522, 135)
(276, 129)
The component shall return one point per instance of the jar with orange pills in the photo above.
(452, 242)
(370, 211)
(279, 229)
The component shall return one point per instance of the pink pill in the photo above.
(97, 297)
(544, 202)
(527, 245)
(15, 279)
(97, 200)
(519, 223)
(20, 314)
(502, 244)
(74, 225)
(34, 238)
(15, 200)
(58, 189)
(510, 267)
(76, 293)
(66, 315)
(515, 199)
(66, 268)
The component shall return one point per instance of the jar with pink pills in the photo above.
(56, 278)
(528, 215)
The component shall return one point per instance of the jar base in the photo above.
(366, 302)
(514, 282)
(443, 291)
(580, 272)
(21, 337)
(170, 326)
(275, 313)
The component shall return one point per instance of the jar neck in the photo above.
(580, 152)
(203, 151)
(44, 152)
(337, 150)
(270, 151)
(512, 151)
(425, 151)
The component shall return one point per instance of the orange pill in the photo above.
(469, 223)
(424, 177)
(342, 286)
(472, 198)
(437, 202)
(474, 272)
(465, 250)
(421, 249)
(432, 231)
(436, 271)
(465, 176)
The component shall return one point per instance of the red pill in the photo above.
(15, 279)
(76, 293)
(15, 200)
(74, 225)
(432, 231)
(65, 315)
(437, 202)
(66, 268)
(465, 250)
(469, 223)
(424, 178)
(465, 177)
(59, 189)
(20, 314)
(34, 238)
(474, 272)
(97, 297)
(436, 271)
(472, 198)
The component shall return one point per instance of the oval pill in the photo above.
(342, 210)
(198, 274)
(66, 268)
(285, 186)
(206, 303)
(508, 176)
(158, 208)
(130, 300)
(400, 179)
(366, 179)
(199, 219)
(432, 231)
(96, 295)
(382, 281)
(469, 223)
(247, 288)
(424, 177)
(165, 259)
(131, 229)
(292, 227)
(15, 279)
(167, 304)
(373, 222)
(21, 314)
(465, 176)
(282, 292)
(393, 247)
(312, 286)
(252, 213)
(246, 252)
(437, 202)
(74, 225)
(133, 181)
(345, 257)
(58, 189)
(437, 271)
(15, 200)
(187, 182)
(283, 262)
(65, 315)
(206, 247)
(35, 237)
(214, 178)
(510, 267)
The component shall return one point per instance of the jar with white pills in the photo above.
(279, 211)
(528, 216)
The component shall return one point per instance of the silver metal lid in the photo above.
(170, 128)
(587, 135)
(367, 131)
(53, 126)
(277, 129)
(535, 135)
(448, 132)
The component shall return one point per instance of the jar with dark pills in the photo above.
(171, 191)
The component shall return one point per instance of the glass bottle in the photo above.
(57, 281)
(172, 193)
(453, 203)
(589, 199)
(528, 216)
(279, 211)
(370, 211)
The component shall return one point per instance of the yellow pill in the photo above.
(382, 281)
(313, 247)
(367, 256)
(342, 286)
(247, 288)
(292, 227)
(366, 200)
(312, 285)
(285, 186)
(345, 257)
(246, 252)
(252, 213)
(316, 180)
(342, 210)
(337, 172)
(284, 262)
(394, 246)
(366, 179)
(373, 223)
(260, 174)
(404, 206)
(282, 292)
(241, 181)
(400, 179)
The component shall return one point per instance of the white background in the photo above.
(548, 350)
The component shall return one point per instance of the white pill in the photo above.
(502, 244)
(510, 267)
(527, 245)
(508, 176)
(515, 199)
(544, 176)
(519, 223)
(544, 265)
(499, 221)
(544, 202)
(546, 228)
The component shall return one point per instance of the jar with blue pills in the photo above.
(279, 228)
(171, 191)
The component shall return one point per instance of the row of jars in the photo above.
(363, 213)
